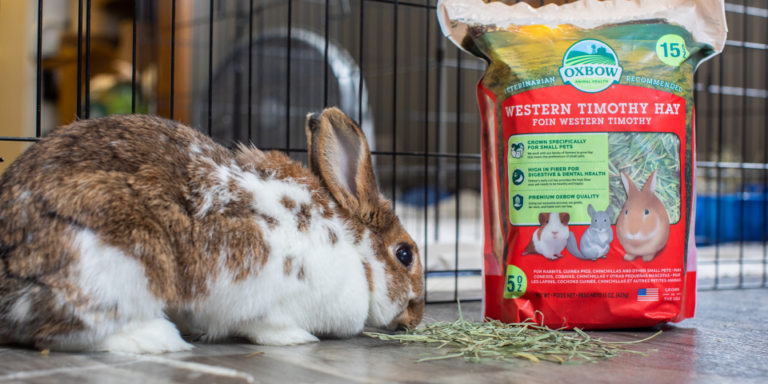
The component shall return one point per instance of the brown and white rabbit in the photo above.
(551, 237)
(643, 225)
(107, 224)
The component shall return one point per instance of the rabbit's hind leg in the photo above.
(112, 303)
(153, 336)
(113, 280)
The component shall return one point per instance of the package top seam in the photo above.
(705, 19)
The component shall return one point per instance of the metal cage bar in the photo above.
(250, 68)
(394, 108)
(210, 71)
(288, 76)
(764, 281)
(173, 58)
(745, 67)
(87, 60)
(39, 80)
(426, 146)
(80, 57)
(133, 56)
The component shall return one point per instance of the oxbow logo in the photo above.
(590, 66)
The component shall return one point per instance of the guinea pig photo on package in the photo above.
(588, 155)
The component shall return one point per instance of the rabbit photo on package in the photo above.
(116, 231)
(588, 155)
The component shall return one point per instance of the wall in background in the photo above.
(17, 75)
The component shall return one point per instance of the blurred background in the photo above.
(250, 70)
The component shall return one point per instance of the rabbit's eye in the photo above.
(646, 212)
(404, 255)
(626, 212)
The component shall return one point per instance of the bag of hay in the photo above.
(588, 155)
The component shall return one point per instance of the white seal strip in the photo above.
(705, 19)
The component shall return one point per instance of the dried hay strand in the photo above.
(493, 340)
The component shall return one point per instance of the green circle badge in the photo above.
(590, 66)
(516, 283)
(671, 50)
(518, 177)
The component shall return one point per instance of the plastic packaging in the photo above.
(588, 155)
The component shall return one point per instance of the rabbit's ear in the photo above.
(650, 184)
(591, 211)
(629, 185)
(339, 156)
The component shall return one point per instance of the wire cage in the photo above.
(250, 70)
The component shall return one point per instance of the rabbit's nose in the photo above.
(412, 315)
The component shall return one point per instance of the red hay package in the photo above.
(588, 155)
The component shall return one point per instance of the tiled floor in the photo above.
(726, 342)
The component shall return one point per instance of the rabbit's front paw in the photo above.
(629, 257)
(648, 257)
(279, 335)
(550, 257)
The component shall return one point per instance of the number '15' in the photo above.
(673, 49)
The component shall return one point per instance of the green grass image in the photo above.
(590, 59)
(638, 154)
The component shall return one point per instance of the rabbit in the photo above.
(596, 240)
(643, 225)
(111, 226)
(550, 239)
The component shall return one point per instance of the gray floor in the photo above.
(726, 342)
